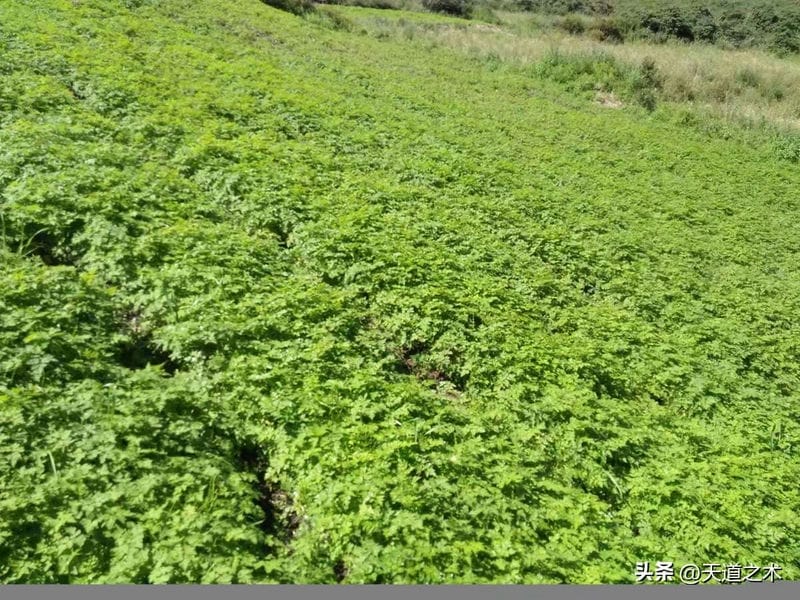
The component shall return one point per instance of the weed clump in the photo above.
(645, 83)
(788, 148)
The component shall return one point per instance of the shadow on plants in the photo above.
(280, 519)
(138, 350)
(409, 363)
(44, 245)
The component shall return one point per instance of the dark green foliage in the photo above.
(646, 82)
(734, 28)
(296, 7)
(606, 30)
(334, 19)
(457, 8)
(704, 27)
(669, 22)
(563, 7)
(382, 4)
(572, 24)
(787, 147)
(601, 7)
(773, 25)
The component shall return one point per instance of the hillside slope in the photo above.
(280, 302)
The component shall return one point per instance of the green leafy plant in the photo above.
(788, 148)
(293, 304)
(645, 83)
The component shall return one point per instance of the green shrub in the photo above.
(457, 8)
(606, 30)
(572, 24)
(563, 7)
(787, 147)
(780, 27)
(601, 7)
(556, 7)
(646, 81)
(772, 25)
(296, 7)
(734, 29)
(333, 19)
(381, 4)
(669, 22)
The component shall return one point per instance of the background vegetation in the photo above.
(770, 24)
(341, 296)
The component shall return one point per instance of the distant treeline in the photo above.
(770, 24)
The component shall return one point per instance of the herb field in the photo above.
(284, 301)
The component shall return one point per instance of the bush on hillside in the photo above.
(772, 25)
(645, 83)
(734, 29)
(572, 24)
(669, 22)
(457, 8)
(563, 7)
(606, 30)
(781, 29)
(705, 28)
(380, 4)
(601, 7)
(296, 7)
(787, 147)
